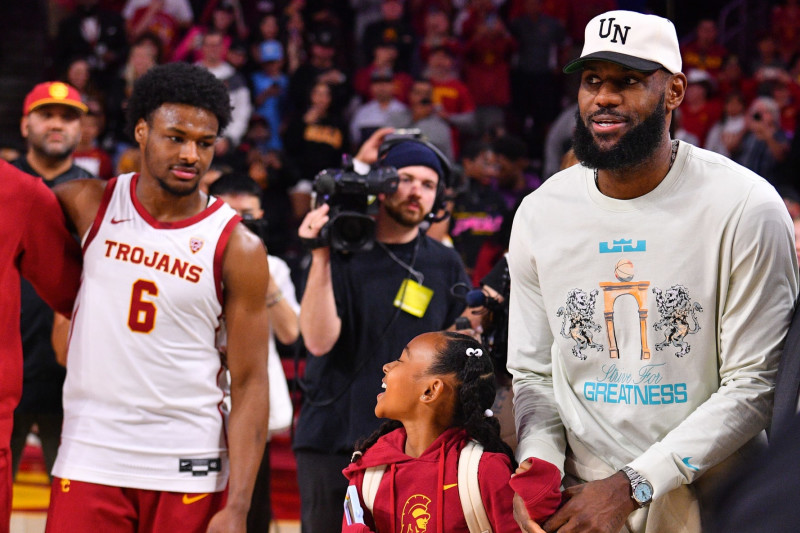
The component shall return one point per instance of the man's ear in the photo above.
(676, 90)
(140, 131)
(23, 127)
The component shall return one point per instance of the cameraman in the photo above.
(352, 327)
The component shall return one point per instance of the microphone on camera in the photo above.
(462, 322)
(475, 298)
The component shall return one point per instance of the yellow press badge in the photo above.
(413, 298)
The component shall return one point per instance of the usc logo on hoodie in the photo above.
(415, 514)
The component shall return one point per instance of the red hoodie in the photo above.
(421, 494)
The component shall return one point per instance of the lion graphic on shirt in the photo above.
(578, 322)
(676, 308)
(415, 514)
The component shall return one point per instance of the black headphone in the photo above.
(444, 179)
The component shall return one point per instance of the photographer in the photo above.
(352, 325)
(764, 145)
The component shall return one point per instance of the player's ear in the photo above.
(676, 89)
(140, 131)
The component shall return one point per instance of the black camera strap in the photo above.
(419, 276)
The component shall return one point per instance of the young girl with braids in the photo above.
(437, 397)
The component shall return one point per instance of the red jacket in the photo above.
(419, 494)
(34, 242)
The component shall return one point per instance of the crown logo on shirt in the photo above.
(195, 244)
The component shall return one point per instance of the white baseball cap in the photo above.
(639, 42)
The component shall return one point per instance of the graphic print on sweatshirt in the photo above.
(415, 514)
(624, 303)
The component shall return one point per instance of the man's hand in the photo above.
(228, 521)
(368, 153)
(313, 222)
(523, 518)
(597, 506)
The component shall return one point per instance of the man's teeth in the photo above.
(383, 385)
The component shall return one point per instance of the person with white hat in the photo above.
(652, 288)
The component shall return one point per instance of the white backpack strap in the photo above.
(469, 490)
(369, 487)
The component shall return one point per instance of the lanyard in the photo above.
(419, 276)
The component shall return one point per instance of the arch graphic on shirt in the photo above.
(415, 514)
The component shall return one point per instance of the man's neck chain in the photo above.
(672, 157)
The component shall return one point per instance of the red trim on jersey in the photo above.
(101, 212)
(208, 211)
(220, 251)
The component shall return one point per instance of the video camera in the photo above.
(351, 227)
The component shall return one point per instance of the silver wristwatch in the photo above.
(641, 489)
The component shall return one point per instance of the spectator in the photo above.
(699, 111)
(487, 58)
(89, 155)
(51, 126)
(213, 61)
(767, 54)
(726, 135)
(514, 178)
(164, 18)
(143, 55)
(352, 328)
(421, 115)
(732, 78)
(559, 141)
(764, 145)
(315, 140)
(321, 67)
(785, 27)
(222, 20)
(270, 87)
(574, 406)
(451, 98)
(375, 114)
(704, 52)
(384, 57)
(96, 34)
(541, 39)
(390, 29)
(437, 33)
(478, 209)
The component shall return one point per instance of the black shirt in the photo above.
(341, 387)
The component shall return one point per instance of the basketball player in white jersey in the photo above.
(144, 445)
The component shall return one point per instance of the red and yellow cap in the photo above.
(53, 92)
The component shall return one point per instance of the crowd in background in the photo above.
(310, 80)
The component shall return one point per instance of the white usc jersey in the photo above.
(142, 399)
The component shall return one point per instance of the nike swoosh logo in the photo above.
(118, 221)
(688, 464)
(188, 500)
(449, 486)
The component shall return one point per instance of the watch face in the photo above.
(643, 493)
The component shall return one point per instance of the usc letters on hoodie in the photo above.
(418, 495)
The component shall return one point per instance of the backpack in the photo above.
(468, 489)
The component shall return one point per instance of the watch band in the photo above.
(636, 480)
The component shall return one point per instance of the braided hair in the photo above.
(476, 390)
(475, 393)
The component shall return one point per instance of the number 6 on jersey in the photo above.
(142, 315)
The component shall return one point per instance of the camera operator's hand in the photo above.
(313, 222)
(368, 153)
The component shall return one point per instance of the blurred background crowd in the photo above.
(311, 79)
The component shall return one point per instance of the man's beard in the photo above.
(52, 153)
(396, 214)
(631, 149)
